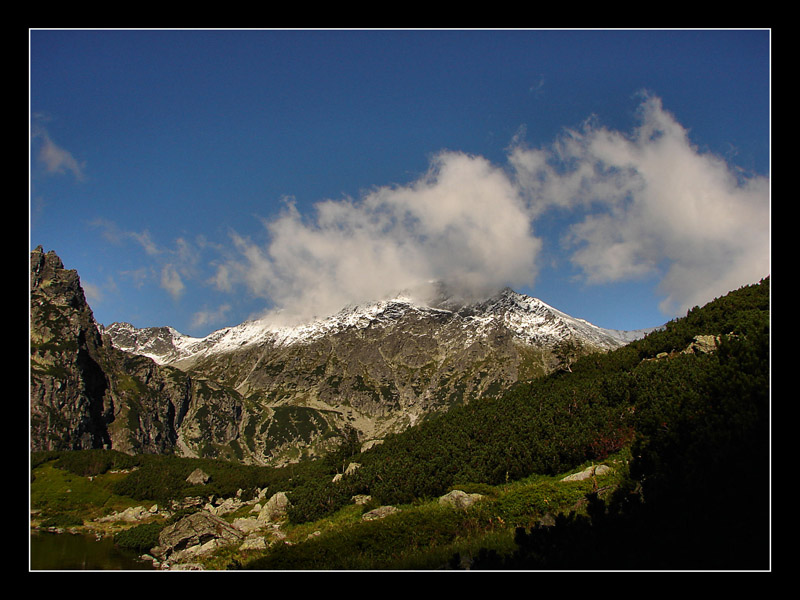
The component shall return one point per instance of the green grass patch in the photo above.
(64, 496)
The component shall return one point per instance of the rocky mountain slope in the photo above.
(264, 394)
(378, 368)
(84, 393)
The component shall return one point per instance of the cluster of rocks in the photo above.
(182, 543)
(701, 344)
(134, 514)
(200, 533)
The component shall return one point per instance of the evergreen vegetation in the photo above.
(695, 428)
(551, 424)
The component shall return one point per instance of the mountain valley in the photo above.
(594, 451)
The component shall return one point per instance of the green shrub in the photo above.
(62, 520)
(317, 499)
(39, 458)
(140, 538)
(95, 462)
(528, 504)
(371, 545)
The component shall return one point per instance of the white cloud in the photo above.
(462, 223)
(173, 266)
(145, 241)
(171, 281)
(55, 159)
(114, 234)
(651, 202)
(94, 294)
(642, 204)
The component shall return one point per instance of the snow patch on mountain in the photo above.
(162, 344)
(530, 320)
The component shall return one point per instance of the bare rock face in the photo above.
(70, 403)
(259, 395)
(376, 368)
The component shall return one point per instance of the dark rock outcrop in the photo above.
(70, 402)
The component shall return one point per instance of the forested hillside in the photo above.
(698, 424)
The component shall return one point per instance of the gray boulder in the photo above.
(198, 477)
(379, 513)
(247, 525)
(275, 508)
(459, 499)
(702, 344)
(200, 529)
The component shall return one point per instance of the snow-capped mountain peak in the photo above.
(529, 320)
(162, 344)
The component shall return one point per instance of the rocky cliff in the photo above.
(71, 406)
(84, 393)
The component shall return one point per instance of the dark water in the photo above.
(67, 551)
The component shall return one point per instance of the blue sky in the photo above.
(198, 178)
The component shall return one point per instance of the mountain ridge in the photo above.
(530, 319)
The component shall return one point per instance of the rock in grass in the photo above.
(379, 513)
(587, 473)
(198, 477)
(459, 499)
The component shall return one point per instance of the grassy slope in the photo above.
(423, 535)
